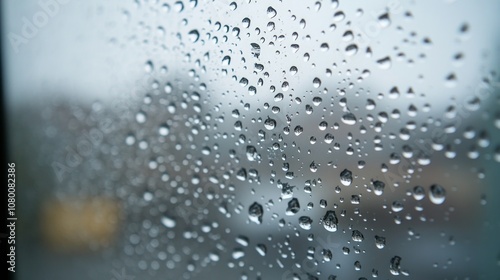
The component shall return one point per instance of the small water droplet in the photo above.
(168, 222)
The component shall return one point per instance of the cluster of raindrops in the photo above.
(267, 143)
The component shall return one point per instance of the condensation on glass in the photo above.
(258, 139)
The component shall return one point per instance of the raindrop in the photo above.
(384, 63)
(261, 249)
(418, 192)
(305, 222)
(255, 213)
(338, 16)
(226, 60)
(251, 153)
(313, 167)
(164, 130)
(271, 12)
(298, 130)
(148, 67)
(246, 22)
(194, 35)
(395, 267)
(379, 241)
(378, 187)
(168, 222)
(241, 174)
(384, 20)
(141, 117)
(316, 82)
(357, 236)
(437, 194)
(293, 207)
(330, 221)
(255, 49)
(346, 177)
(351, 50)
(349, 118)
(269, 123)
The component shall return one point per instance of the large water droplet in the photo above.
(437, 194)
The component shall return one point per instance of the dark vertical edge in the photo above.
(4, 232)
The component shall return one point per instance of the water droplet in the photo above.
(357, 236)
(141, 117)
(379, 241)
(351, 49)
(255, 49)
(298, 130)
(194, 35)
(148, 67)
(246, 22)
(305, 222)
(226, 60)
(233, 6)
(269, 123)
(261, 249)
(293, 207)
(378, 187)
(346, 177)
(164, 130)
(338, 16)
(384, 20)
(437, 194)
(130, 139)
(395, 266)
(418, 192)
(238, 253)
(316, 82)
(168, 222)
(384, 63)
(349, 118)
(330, 221)
(397, 206)
(327, 255)
(255, 213)
(241, 174)
(313, 167)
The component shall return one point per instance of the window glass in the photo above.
(199, 139)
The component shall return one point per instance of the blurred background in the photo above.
(204, 139)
